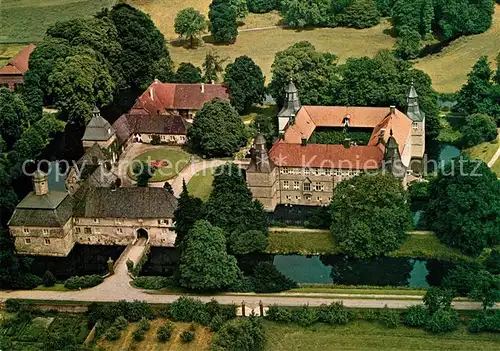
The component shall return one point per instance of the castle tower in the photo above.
(392, 158)
(418, 124)
(100, 132)
(290, 107)
(261, 175)
(40, 183)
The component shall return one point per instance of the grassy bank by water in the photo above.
(424, 246)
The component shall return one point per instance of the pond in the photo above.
(328, 269)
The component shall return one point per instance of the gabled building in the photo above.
(299, 170)
(12, 74)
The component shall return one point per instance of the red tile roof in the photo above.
(169, 96)
(326, 156)
(289, 152)
(19, 63)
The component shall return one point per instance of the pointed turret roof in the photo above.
(392, 158)
(292, 101)
(291, 88)
(413, 110)
(98, 129)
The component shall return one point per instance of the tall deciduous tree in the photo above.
(217, 129)
(205, 264)
(246, 83)
(478, 128)
(189, 23)
(79, 82)
(188, 73)
(189, 210)
(261, 6)
(465, 206)
(230, 207)
(361, 14)
(142, 44)
(369, 223)
(223, 24)
(313, 72)
(408, 43)
(212, 66)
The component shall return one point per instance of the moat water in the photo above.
(327, 269)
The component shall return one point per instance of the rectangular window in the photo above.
(87, 230)
(319, 198)
(288, 198)
(182, 138)
(27, 241)
(118, 221)
(45, 231)
(47, 241)
(307, 171)
(319, 187)
(77, 220)
(26, 231)
(172, 138)
(316, 171)
(296, 185)
(308, 197)
(307, 186)
(415, 125)
(285, 184)
(297, 198)
(328, 172)
(119, 230)
(96, 220)
(78, 230)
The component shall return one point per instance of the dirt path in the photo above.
(496, 155)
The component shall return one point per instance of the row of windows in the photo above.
(27, 241)
(305, 186)
(317, 171)
(119, 221)
(170, 138)
(89, 230)
(44, 231)
(307, 198)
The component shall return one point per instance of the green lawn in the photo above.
(27, 20)
(484, 151)
(200, 184)
(266, 110)
(347, 289)
(496, 168)
(176, 158)
(427, 246)
(361, 335)
(56, 287)
(303, 243)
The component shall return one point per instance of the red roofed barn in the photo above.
(13, 73)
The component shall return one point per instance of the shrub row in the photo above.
(131, 311)
(305, 316)
(210, 314)
(486, 321)
(243, 334)
(141, 328)
(83, 282)
(154, 283)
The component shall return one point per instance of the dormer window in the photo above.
(346, 121)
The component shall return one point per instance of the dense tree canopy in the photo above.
(230, 207)
(465, 206)
(189, 210)
(480, 94)
(205, 264)
(262, 6)
(223, 25)
(217, 129)
(246, 83)
(188, 73)
(369, 223)
(408, 43)
(478, 128)
(79, 82)
(313, 72)
(142, 172)
(142, 44)
(189, 23)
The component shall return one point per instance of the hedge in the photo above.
(153, 283)
(83, 282)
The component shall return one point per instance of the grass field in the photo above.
(176, 160)
(423, 246)
(360, 335)
(201, 341)
(484, 151)
(496, 168)
(201, 184)
(27, 20)
(302, 243)
(449, 68)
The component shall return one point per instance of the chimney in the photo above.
(347, 143)
(393, 109)
(202, 88)
(381, 136)
(40, 183)
(304, 141)
(151, 94)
